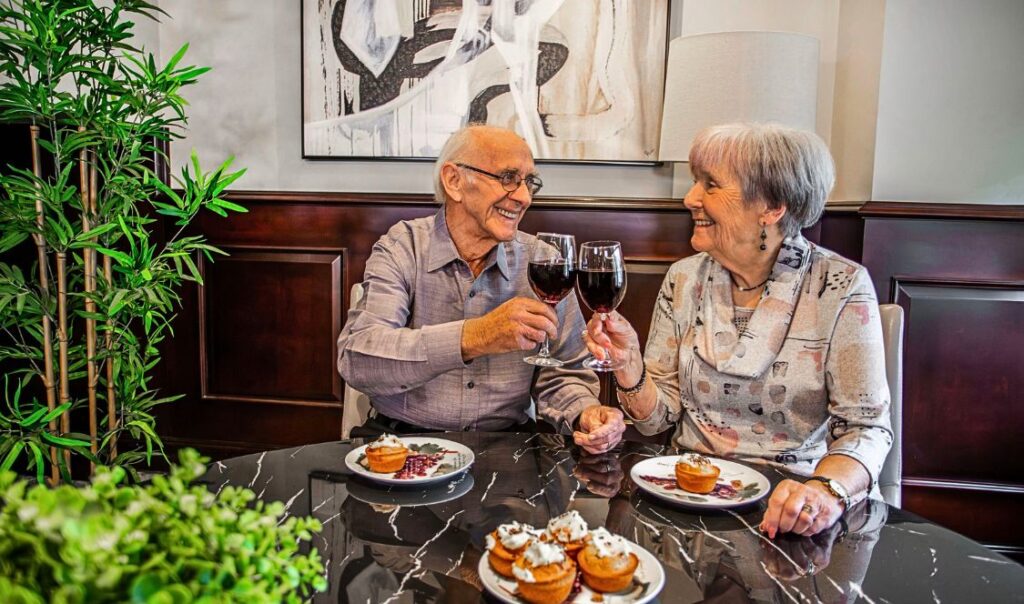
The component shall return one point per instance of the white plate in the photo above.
(457, 458)
(754, 485)
(649, 571)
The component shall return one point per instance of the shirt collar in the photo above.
(443, 252)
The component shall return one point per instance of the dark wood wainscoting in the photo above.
(958, 273)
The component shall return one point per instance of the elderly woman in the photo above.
(763, 346)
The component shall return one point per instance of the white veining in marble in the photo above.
(417, 558)
(323, 503)
(456, 565)
(391, 521)
(855, 588)
(758, 534)
(259, 468)
(494, 476)
(682, 550)
(296, 451)
(992, 560)
(782, 587)
(935, 561)
(221, 467)
(288, 506)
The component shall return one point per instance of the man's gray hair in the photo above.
(784, 167)
(454, 150)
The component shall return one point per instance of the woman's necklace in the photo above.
(747, 289)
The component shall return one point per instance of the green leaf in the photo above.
(33, 419)
(63, 441)
(37, 454)
(121, 258)
(12, 456)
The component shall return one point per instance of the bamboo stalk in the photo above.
(109, 342)
(87, 177)
(62, 342)
(44, 288)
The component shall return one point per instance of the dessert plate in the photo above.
(647, 583)
(444, 460)
(737, 484)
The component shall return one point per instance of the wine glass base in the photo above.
(606, 365)
(543, 361)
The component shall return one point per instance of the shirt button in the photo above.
(470, 385)
(472, 294)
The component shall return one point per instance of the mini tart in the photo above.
(606, 562)
(386, 454)
(544, 574)
(696, 474)
(506, 543)
(568, 530)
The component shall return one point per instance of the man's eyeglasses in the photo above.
(510, 179)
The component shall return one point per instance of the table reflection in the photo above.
(396, 544)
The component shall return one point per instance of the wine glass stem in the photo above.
(607, 353)
(545, 347)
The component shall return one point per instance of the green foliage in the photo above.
(169, 541)
(69, 67)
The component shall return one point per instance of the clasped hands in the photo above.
(521, 324)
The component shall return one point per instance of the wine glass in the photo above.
(602, 282)
(552, 272)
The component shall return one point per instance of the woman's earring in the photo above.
(764, 236)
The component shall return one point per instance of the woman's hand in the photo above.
(614, 336)
(802, 508)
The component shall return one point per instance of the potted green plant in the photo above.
(81, 324)
(166, 542)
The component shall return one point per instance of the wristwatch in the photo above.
(835, 488)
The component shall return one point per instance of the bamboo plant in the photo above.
(81, 322)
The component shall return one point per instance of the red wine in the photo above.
(602, 290)
(551, 282)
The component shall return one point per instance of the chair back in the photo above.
(890, 479)
(356, 405)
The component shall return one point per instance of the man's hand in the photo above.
(804, 509)
(519, 324)
(601, 429)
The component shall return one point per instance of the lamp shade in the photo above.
(742, 76)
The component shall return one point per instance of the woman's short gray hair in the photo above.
(784, 167)
(454, 150)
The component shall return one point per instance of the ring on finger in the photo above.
(808, 509)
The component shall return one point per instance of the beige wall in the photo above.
(951, 102)
(950, 89)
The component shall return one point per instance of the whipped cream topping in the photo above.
(538, 554)
(696, 459)
(386, 440)
(607, 545)
(514, 535)
(568, 527)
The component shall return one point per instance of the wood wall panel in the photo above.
(292, 310)
(961, 400)
(958, 272)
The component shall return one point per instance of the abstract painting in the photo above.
(580, 80)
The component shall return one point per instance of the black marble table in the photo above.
(423, 545)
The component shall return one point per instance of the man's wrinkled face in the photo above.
(488, 212)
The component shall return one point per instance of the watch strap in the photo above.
(835, 488)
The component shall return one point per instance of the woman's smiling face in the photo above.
(724, 224)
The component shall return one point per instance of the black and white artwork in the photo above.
(578, 79)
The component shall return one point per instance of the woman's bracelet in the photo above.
(636, 388)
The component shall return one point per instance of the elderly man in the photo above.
(437, 340)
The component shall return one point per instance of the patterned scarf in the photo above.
(716, 339)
